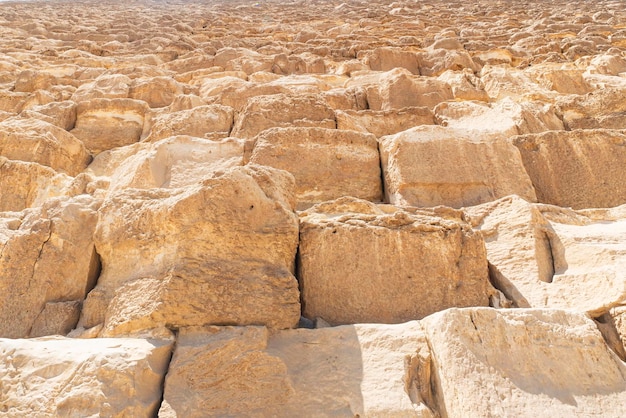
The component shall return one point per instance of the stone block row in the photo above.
(458, 362)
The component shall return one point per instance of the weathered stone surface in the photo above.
(434, 165)
(102, 124)
(542, 256)
(234, 371)
(173, 162)
(50, 377)
(156, 91)
(61, 114)
(37, 141)
(399, 89)
(578, 169)
(106, 86)
(465, 85)
(384, 122)
(603, 108)
(229, 241)
(25, 184)
(209, 121)
(326, 163)
(280, 110)
(361, 262)
(33, 244)
(522, 362)
(385, 59)
(505, 117)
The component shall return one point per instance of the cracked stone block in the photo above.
(46, 255)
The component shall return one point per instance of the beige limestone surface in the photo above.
(155, 158)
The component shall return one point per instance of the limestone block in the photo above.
(326, 163)
(438, 60)
(106, 86)
(562, 78)
(503, 81)
(56, 318)
(361, 262)
(32, 80)
(12, 101)
(522, 362)
(578, 169)
(220, 251)
(173, 162)
(102, 124)
(505, 117)
(61, 114)
(40, 142)
(50, 377)
(603, 108)
(385, 59)
(47, 254)
(434, 165)
(156, 91)
(384, 122)
(465, 85)
(238, 96)
(210, 121)
(399, 89)
(364, 370)
(281, 110)
(24, 184)
(542, 256)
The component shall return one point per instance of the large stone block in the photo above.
(326, 163)
(102, 124)
(52, 377)
(578, 169)
(40, 142)
(434, 165)
(221, 251)
(523, 362)
(282, 110)
(384, 122)
(25, 184)
(398, 89)
(210, 121)
(46, 255)
(543, 256)
(359, 370)
(361, 262)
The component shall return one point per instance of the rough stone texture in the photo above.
(506, 117)
(433, 165)
(156, 91)
(398, 88)
(51, 377)
(173, 162)
(33, 244)
(579, 169)
(602, 108)
(218, 252)
(211, 121)
(168, 100)
(331, 372)
(523, 362)
(543, 256)
(25, 184)
(384, 122)
(37, 141)
(102, 124)
(280, 110)
(326, 163)
(361, 262)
